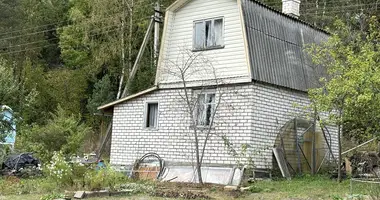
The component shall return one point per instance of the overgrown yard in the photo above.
(299, 188)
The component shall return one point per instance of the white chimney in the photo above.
(291, 7)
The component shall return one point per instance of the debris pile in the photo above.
(21, 165)
(364, 165)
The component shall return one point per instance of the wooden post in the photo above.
(327, 142)
(122, 35)
(313, 144)
(104, 142)
(340, 147)
(157, 20)
(297, 147)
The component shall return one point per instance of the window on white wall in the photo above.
(205, 109)
(151, 115)
(208, 34)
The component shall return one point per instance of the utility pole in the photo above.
(122, 49)
(130, 5)
(157, 21)
(154, 24)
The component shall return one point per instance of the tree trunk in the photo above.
(340, 151)
(198, 164)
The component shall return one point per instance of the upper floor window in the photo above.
(208, 34)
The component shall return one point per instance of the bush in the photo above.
(79, 175)
(59, 170)
(106, 178)
(64, 133)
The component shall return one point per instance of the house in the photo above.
(256, 61)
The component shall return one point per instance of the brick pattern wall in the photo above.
(272, 105)
(247, 114)
(173, 139)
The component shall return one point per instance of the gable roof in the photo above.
(276, 43)
(180, 3)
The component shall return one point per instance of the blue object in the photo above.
(7, 116)
(100, 165)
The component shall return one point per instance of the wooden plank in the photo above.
(281, 163)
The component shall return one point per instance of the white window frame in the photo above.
(145, 120)
(195, 48)
(213, 106)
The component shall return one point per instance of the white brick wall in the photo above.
(247, 115)
(271, 104)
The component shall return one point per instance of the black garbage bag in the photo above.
(16, 162)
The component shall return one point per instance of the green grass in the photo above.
(300, 188)
(37, 197)
(318, 187)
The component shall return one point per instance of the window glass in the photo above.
(200, 110)
(152, 115)
(218, 30)
(205, 110)
(208, 34)
(199, 35)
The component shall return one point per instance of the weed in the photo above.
(337, 197)
(106, 178)
(255, 189)
(52, 196)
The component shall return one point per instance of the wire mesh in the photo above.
(365, 188)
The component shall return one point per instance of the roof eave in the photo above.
(176, 5)
(112, 104)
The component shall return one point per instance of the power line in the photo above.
(327, 12)
(329, 5)
(57, 28)
(39, 41)
(11, 52)
(321, 3)
(53, 29)
(25, 44)
(326, 9)
(54, 23)
(312, 12)
(6, 33)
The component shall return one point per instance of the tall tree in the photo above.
(351, 91)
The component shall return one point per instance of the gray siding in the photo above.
(276, 47)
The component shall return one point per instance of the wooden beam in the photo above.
(105, 140)
(365, 143)
(139, 56)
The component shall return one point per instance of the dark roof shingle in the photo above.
(276, 44)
